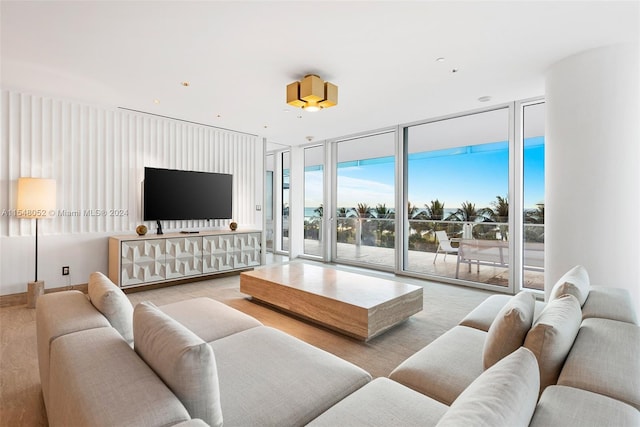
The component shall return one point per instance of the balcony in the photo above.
(375, 246)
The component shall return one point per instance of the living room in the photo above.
(84, 102)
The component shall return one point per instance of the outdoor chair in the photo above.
(444, 245)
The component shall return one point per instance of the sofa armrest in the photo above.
(573, 407)
(604, 360)
(58, 314)
(609, 303)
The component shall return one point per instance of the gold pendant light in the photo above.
(312, 94)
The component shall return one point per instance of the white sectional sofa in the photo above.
(589, 366)
(91, 375)
(512, 361)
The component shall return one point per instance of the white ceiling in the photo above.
(239, 56)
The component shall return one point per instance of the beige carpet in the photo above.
(444, 305)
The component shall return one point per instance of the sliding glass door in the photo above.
(533, 124)
(457, 186)
(365, 197)
(313, 200)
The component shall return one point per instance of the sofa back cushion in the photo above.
(503, 395)
(181, 359)
(552, 336)
(574, 282)
(509, 329)
(109, 299)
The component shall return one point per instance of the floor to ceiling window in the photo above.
(457, 179)
(269, 201)
(365, 197)
(286, 159)
(533, 195)
(472, 191)
(313, 200)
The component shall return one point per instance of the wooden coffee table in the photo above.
(353, 304)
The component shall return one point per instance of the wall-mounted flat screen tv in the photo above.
(170, 194)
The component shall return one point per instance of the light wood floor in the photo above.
(444, 305)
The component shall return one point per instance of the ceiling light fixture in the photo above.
(312, 94)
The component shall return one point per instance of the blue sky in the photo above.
(476, 174)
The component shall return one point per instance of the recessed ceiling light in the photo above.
(156, 101)
(185, 83)
(218, 115)
(454, 70)
(265, 126)
(441, 59)
(484, 98)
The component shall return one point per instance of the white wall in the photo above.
(593, 167)
(97, 156)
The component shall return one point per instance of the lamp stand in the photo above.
(35, 288)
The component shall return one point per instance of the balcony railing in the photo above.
(372, 241)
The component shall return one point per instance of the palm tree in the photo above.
(500, 210)
(500, 213)
(435, 210)
(383, 215)
(534, 233)
(535, 217)
(318, 222)
(411, 210)
(363, 211)
(466, 213)
(342, 212)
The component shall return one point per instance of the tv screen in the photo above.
(171, 194)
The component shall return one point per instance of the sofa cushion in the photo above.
(605, 359)
(573, 407)
(383, 402)
(209, 319)
(269, 378)
(429, 371)
(112, 303)
(609, 303)
(504, 395)
(98, 380)
(552, 336)
(184, 361)
(510, 327)
(574, 282)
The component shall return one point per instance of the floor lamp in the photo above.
(36, 200)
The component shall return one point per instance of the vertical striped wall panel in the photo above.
(97, 156)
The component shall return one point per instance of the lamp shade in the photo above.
(36, 198)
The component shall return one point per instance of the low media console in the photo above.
(144, 260)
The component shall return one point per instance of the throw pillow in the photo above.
(574, 282)
(503, 395)
(181, 359)
(552, 336)
(509, 329)
(109, 299)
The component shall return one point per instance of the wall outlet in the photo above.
(65, 270)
